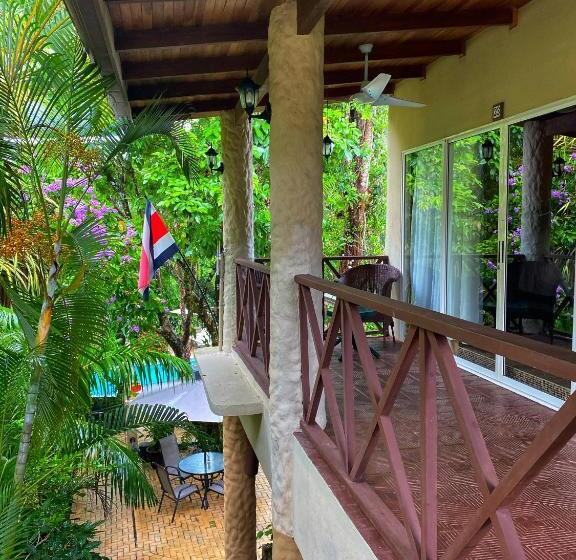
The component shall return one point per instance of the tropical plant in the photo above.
(54, 121)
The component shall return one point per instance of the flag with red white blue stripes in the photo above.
(158, 246)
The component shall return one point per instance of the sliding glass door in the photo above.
(472, 227)
(541, 241)
(490, 237)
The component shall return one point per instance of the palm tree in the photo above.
(54, 120)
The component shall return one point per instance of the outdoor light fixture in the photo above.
(265, 115)
(327, 146)
(558, 167)
(327, 142)
(487, 149)
(212, 157)
(248, 91)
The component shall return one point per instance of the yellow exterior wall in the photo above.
(531, 65)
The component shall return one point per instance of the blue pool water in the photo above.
(161, 376)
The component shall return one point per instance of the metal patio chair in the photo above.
(171, 457)
(175, 492)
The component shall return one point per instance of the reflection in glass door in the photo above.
(473, 204)
(541, 241)
(423, 227)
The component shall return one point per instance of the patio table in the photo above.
(203, 465)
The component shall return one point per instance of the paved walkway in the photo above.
(196, 534)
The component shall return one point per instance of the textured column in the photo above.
(296, 94)
(238, 209)
(536, 191)
(239, 495)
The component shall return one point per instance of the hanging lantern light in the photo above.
(327, 146)
(327, 142)
(211, 156)
(487, 150)
(248, 91)
(558, 167)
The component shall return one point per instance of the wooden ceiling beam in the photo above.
(309, 13)
(164, 38)
(189, 66)
(382, 22)
(189, 36)
(345, 92)
(334, 55)
(204, 106)
(172, 90)
(335, 77)
(390, 51)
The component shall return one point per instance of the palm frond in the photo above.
(13, 533)
(125, 366)
(8, 319)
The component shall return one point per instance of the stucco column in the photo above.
(239, 495)
(296, 93)
(536, 191)
(238, 210)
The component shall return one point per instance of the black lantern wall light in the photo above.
(558, 167)
(327, 142)
(487, 150)
(212, 157)
(248, 91)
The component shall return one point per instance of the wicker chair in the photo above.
(376, 279)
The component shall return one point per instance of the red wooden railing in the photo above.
(348, 452)
(253, 318)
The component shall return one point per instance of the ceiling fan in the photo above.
(371, 92)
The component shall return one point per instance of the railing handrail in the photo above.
(247, 263)
(353, 257)
(555, 361)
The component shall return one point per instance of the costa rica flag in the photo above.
(158, 246)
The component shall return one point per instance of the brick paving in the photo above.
(196, 534)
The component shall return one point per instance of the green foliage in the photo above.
(68, 541)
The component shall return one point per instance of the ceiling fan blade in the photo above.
(375, 87)
(397, 102)
(362, 97)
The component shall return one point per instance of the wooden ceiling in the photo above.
(194, 52)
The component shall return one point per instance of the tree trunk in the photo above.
(44, 325)
(355, 231)
(190, 303)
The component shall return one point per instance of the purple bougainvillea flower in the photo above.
(125, 259)
(511, 181)
(25, 170)
(491, 265)
(573, 155)
(568, 168)
(135, 328)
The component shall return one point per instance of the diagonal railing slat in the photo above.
(253, 319)
(413, 535)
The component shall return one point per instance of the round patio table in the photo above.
(203, 466)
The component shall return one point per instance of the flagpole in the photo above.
(200, 289)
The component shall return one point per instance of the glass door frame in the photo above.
(503, 126)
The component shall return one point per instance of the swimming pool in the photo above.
(160, 375)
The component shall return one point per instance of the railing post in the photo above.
(428, 449)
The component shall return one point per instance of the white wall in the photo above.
(322, 529)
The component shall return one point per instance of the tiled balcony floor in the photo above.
(545, 512)
(196, 534)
